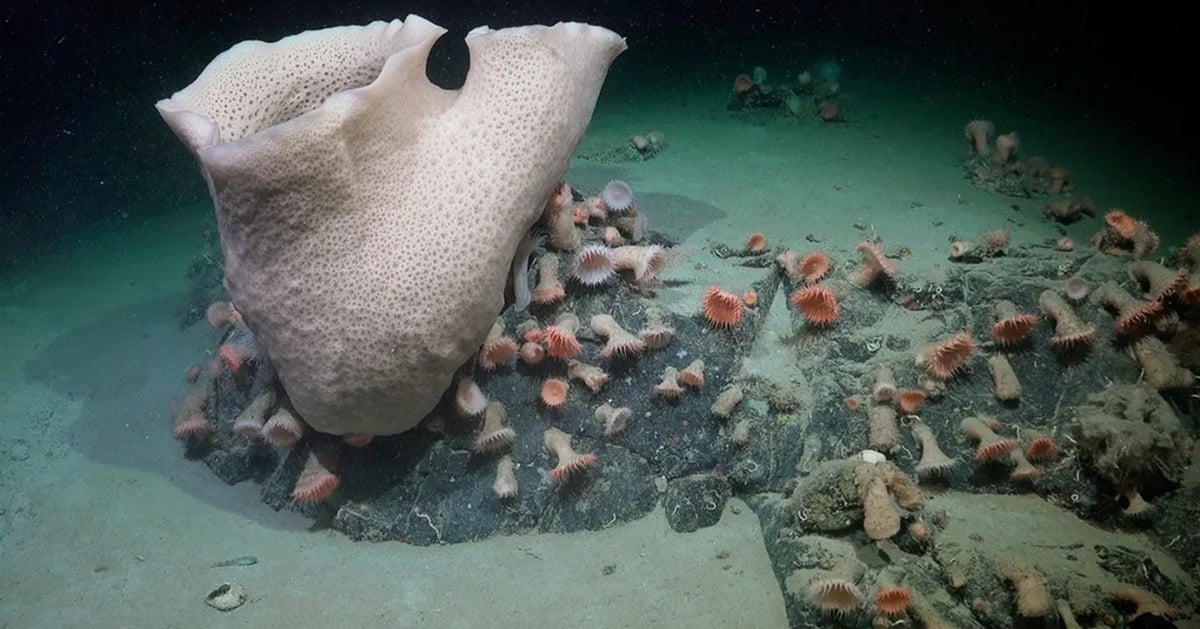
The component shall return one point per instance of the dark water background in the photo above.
(78, 80)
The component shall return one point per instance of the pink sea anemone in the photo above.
(618, 196)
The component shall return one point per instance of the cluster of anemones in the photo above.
(1122, 234)
(614, 224)
(991, 447)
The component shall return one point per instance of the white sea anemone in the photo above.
(593, 265)
(618, 196)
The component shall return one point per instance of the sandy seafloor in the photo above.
(104, 524)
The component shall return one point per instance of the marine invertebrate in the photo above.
(874, 265)
(283, 428)
(881, 516)
(615, 419)
(559, 338)
(892, 600)
(593, 265)
(249, 422)
(505, 485)
(612, 237)
(830, 112)
(559, 216)
(570, 462)
(1160, 367)
(645, 262)
(1144, 601)
(1076, 290)
(910, 400)
(263, 120)
(810, 268)
(722, 309)
(742, 84)
(884, 388)
(620, 343)
(991, 446)
(1131, 436)
(1120, 224)
(1158, 281)
(693, 374)
(1060, 180)
(1023, 470)
(1006, 149)
(532, 353)
(726, 401)
(757, 243)
(944, 359)
(1133, 314)
(656, 333)
(1070, 333)
(1005, 384)
(554, 392)
(883, 434)
(834, 595)
(817, 303)
(618, 196)
(1041, 449)
(1011, 326)
(1032, 592)
(978, 133)
(962, 249)
(469, 399)
(318, 479)
(933, 461)
(669, 387)
(550, 289)
(495, 434)
(591, 376)
(994, 242)
(189, 417)
(814, 266)
(223, 313)
(497, 348)
(1124, 235)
